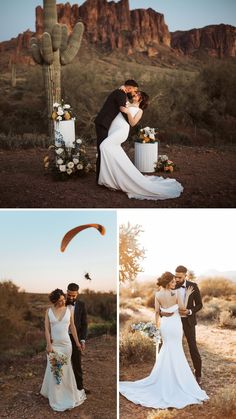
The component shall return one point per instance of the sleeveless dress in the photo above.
(118, 172)
(171, 382)
(65, 395)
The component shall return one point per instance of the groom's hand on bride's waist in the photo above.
(163, 314)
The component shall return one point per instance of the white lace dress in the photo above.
(118, 172)
(65, 395)
(171, 382)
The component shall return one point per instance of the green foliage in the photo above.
(130, 252)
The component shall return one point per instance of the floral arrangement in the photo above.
(147, 135)
(65, 162)
(62, 112)
(56, 363)
(149, 330)
(164, 164)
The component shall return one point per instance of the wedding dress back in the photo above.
(65, 395)
(171, 382)
(118, 172)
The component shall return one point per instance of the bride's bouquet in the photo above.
(147, 135)
(56, 363)
(164, 164)
(149, 330)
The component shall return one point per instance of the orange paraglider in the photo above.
(72, 233)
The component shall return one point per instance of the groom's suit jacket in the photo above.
(111, 108)
(194, 303)
(80, 318)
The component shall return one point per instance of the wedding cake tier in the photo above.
(145, 156)
(64, 132)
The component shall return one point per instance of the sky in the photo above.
(199, 239)
(19, 15)
(30, 249)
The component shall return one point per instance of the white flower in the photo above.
(79, 141)
(66, 106)
(80, 166)
(152, 136)
(76, 161)
(55, 105)
(60, 161)
(60, 111)
(70, 165)
(69, 171)
(62, 168)
(59, 151)
(59, 118)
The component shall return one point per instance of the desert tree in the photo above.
(131, 253)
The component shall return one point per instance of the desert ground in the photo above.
(208, 176)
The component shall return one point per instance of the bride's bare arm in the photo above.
(47, 333)
(132, 120)
(73, 330)
(157, 311)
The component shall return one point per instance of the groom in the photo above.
(109, 111)
(80, 319)
(188, 317)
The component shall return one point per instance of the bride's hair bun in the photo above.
(165, 279)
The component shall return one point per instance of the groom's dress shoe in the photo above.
(198, 379)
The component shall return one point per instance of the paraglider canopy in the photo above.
(72, 233)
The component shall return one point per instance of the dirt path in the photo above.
(21, 381)
(208, 177)
(218, 351)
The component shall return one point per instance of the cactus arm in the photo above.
(63, 38)
(56, 37)
(36, 54)
(50, 14)
(46, 48)
(73, 45)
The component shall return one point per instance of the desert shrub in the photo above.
(102, 304)
(98, 329)
(24, 141)
(227, 320)
(150, 301)
(225, 401)
(124, 317)
(217, 287)
(161, 414)
(209, 312)
(135, 347)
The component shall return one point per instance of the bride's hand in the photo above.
(49, 349)
(124, 109)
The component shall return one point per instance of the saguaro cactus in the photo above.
(54, 49)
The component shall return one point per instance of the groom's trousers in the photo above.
(102, 133)
(76, 364)
(190, 333)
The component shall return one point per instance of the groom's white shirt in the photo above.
(183, 294)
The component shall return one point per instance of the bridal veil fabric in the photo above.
(118, 172)
(65, 395)
(171, 382)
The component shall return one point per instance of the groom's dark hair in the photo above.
(131, 83)
(181, 269)
(73, 287)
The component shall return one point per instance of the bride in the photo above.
(171, 382)
(118, 172)
(58, 319)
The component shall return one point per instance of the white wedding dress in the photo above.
(65, 395)
(118, 172)
(171, 382)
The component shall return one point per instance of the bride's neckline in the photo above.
(61, 317)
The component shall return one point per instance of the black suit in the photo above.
(189, 323)
(80, 318)
(103, 120)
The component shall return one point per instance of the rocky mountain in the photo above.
(111, 26)
(215, 40)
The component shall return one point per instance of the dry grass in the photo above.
(135, 348)
(225, 401)
(162, 414)
(217, 287)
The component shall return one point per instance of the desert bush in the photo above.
(124, 317)
(161, 414)
(135, 347)
(98, 329)
(102, 304)
(225, 401)
(217, 287)
(24, 141)
(227, 320)
(209, 312)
